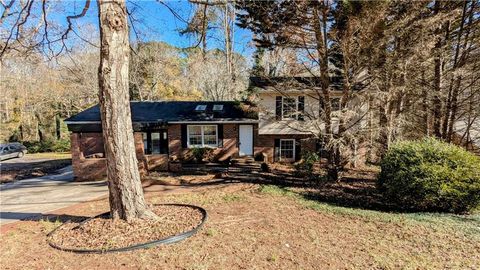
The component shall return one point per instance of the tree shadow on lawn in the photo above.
(349, 192)
(358, 193)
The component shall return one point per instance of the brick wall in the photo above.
(96, 168)
(229, 149)
(175, 140)
(266, 143)
(87, 168)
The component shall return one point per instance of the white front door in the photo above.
(245, 140)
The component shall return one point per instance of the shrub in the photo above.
(431, 175)
(62, 145)
(264, 167)
(201, 153)
(304, 168)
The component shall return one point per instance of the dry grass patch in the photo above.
(273, 228)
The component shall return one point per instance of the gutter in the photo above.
(81, 122)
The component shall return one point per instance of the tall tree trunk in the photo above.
(425, 113)
(320, 29)
(58, 132)
(437, 101)
(454, 108)
(126, 194)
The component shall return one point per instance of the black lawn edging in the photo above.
(167, 240)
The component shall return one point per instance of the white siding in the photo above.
(269, 124)
(311, 125)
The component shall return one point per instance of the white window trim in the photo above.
(296, 108)
(280, 149)
(203, 137)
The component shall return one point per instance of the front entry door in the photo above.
(245, 140)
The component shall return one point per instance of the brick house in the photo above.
(282, 125)
(165, 133)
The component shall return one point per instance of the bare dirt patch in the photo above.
(103, 233)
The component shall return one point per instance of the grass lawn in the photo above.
(51, 155)
(258, 227)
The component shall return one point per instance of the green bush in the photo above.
(305, 167)
(62, 145)
(201, 153)
(430, 175)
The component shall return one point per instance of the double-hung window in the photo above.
(202, 136)
(287, 149)
(289, 108)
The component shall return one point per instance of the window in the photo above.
(289, 108)
(201, 108)
(145, 142)
(287, 149)
(195, 135)
(202, 136)
(155, 142)
(210, 135)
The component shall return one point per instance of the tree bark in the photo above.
(126, 194)
(320, 29)
(437, 102)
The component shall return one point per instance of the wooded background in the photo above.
(415, 63)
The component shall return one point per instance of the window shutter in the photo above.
(149, 143)
(278, 107)
(301, 108)
(276, 150)
(184, 136)
(220, 135)
(298, 149)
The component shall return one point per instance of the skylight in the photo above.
(218, 107)
(201, 108)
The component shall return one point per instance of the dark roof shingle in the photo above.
(173, 111)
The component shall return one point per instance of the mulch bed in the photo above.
(105, 233)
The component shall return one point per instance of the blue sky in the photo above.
(154, 22)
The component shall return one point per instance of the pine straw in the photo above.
(104, 233)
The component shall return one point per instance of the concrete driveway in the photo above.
(33, 197)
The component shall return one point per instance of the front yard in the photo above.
(264, 226)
